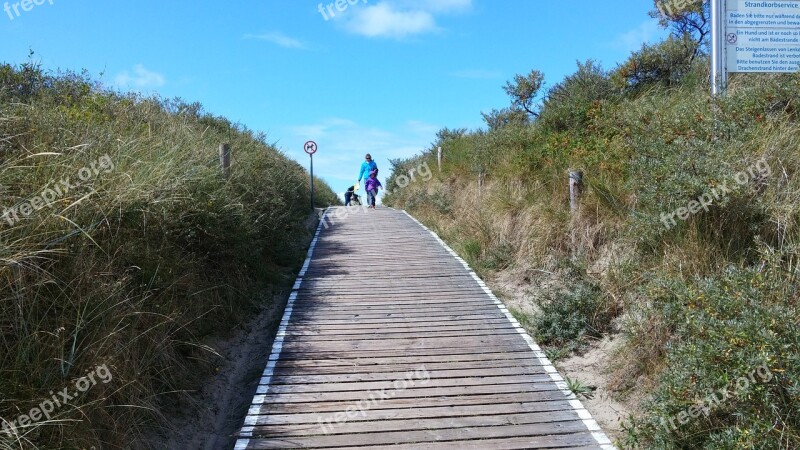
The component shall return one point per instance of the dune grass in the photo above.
(146, 254)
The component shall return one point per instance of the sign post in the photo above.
(310, 147)
(719, 72)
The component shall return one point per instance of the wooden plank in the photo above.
(329, 354)
(327, 424)
(575, 441)
(422, 302)
(424, 274)
(422, 324)
(364, 296)
(346, 396)
(552, 400)
(310, 331)
(409, 385)
(500, 322)
(399, 330)
(397, 320)
(404, 334)
(359, 305)
(410, 317)
(370, 413)
(412, 342)
(391, 313)
(430, 356)
(422, 436)
(287, 369)
(400, 375)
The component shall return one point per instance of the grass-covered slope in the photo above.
(705, 296)
(122, 249)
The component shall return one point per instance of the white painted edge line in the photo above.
(598, 434)
(277, 346)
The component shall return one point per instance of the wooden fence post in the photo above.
(439, 159)
(225, 159)
(575, 188)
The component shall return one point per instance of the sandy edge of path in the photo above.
(518, 291)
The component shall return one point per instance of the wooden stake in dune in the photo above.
(310, 147)
(439, 159)
(575, 188)
(225, 159)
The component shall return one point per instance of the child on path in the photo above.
(371, 186)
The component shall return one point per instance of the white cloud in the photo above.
(478, 74)
(141, 78)
(384, 20)
(632, 40)
(401, 18)
(278, 38)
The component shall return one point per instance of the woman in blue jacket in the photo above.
(366, 167)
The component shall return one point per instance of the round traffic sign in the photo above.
(310, 147)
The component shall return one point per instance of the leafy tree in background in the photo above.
(665, 63)
(686, 19)
(568, 103)
(523, 91)
(447, 134)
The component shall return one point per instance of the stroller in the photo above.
(351, 198)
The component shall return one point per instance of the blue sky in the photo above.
(382, 76)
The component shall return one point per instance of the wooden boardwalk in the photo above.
(389, 340)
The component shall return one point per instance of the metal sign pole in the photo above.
(719, 71)
(312, 180)
(310, 147)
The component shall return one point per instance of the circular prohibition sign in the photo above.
(310, 147)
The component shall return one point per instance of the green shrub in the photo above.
(472, 251)
(723, 329)
(665, 63)
(569, 318)
(499, 256)
(571, 103)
